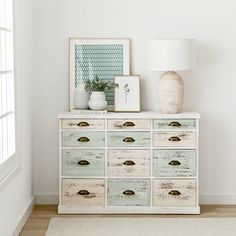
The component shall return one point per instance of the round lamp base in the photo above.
(171, 93)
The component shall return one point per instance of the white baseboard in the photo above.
(23, 218)
(46, 199)
(211, 199)
(218, 199)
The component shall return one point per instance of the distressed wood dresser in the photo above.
(143, 163)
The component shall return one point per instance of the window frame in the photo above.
(12, 165)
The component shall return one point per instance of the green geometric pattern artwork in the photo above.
(104, 60)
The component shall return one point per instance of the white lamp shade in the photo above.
(168, 55)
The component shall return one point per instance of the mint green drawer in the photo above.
(83, 162)
(128, 192)
(174, 124)
(174, 163)
(83, 139)
(129, 139)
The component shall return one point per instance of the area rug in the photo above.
(146, 226)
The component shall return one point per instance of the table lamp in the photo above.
(171, 55)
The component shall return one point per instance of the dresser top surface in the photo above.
(124, 115)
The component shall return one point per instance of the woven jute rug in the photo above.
(145, 226)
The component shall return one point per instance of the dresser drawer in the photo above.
(128, 162)
(129, 139)
(174, 124)
(174, 193)
(82, 192)
(128, 192)
(174, 139)
(83, 139)
(83, 162)
(174, 163)
(81, 124)
(129, 124)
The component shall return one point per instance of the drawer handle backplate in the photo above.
(128, 140)
(174, 139)
(129, 124)
(129, 163)
(174, 163)
(174, 124)
(83, 124)
(83, 139)
(128, 192)
(83, 192)
(174, 193)
(83, 163)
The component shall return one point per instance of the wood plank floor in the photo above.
(38, 221)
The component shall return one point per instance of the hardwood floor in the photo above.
(38, 221)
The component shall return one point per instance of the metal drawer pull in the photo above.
(83, 139)
(174, 124)
(174, 139)
(128, 124)
(128, 140)
(83, 163)
(83, 124)
(128, 192)
(174, 163)
(174, 192)
(83, 192)
(129, 163)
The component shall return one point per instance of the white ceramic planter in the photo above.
(97, 101)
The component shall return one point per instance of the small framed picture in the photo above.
(127, 95)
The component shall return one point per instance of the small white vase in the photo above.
(97, 101)
(81, 98)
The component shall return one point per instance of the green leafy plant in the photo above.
(99, 85)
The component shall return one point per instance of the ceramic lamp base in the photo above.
(171, 93)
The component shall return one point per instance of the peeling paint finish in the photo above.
(140, 163)
(94, 158)
(71, 188)
(92, 139)
(138, 139)
(162, 166)
(185, 189)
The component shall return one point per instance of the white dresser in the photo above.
(143, 163)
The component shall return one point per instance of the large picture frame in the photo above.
(103, 57)
(127, 95)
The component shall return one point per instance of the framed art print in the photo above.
(127, 95)
(103, 57)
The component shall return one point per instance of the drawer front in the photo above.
(82, 192)
(174, 139)
(81, 124)
(128, 124)
(174, 193)
(174, 124)
(83, 139)
(83, 162)
(129, 139)
(128, 192)
(129, 162)
(174, 163)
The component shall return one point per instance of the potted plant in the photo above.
(97, 87)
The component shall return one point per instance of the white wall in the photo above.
(210, 88)
(17, 195)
